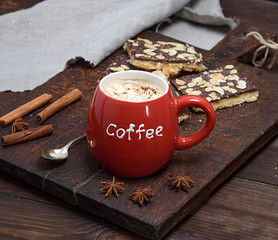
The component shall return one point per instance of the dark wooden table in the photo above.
(243, 207)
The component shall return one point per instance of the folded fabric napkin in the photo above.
(200, 23)
(207, 12)
(37, 43)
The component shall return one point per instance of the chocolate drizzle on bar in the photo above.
(222, 87)
(168, 57)
(215, 84)
(160, 51)
(121, 63)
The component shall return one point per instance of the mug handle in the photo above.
(183, 102)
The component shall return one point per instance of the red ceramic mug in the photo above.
(135, 139)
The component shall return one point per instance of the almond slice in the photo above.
(229, 67)
(180, 82)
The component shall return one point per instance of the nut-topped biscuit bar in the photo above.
(122, 63)
(169, 57)
(221, 87)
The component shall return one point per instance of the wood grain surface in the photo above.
(225, 214)
(77, 181)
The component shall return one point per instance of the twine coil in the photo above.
(266, 44)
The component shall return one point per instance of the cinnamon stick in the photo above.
(26, 135)
(25, 109)
(62, 102)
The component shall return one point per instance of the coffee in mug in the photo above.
(134, 90)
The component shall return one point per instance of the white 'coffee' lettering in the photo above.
(140, 130)
(113, 130)
(118, 133)
(149, 133)
(131, 126)
(158, 130)
(110, 125)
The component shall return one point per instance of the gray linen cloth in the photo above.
(204, 27)
(206, 12)
(37, 43)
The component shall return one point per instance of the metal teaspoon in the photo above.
(60, 153)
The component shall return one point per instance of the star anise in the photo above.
(179, 181)
(19, 125)
(112, 187)
(141, 196)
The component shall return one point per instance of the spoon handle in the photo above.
(75, 139)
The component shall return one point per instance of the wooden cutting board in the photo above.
(239, 132)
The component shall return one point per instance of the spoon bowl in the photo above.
(58, 154)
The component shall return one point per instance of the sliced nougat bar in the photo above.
(221, 87)
(169, 57)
